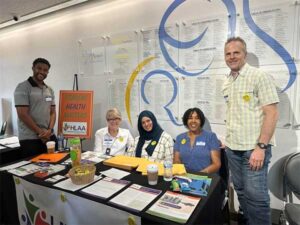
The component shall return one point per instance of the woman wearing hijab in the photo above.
(197, 149)
(153, 143)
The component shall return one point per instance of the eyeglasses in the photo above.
(113, 119)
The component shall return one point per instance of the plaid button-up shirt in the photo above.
(245, 97)
(163, 150)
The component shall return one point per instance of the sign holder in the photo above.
(75, 113)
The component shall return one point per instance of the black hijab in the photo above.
(153, 135)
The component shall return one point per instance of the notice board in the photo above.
(75, 114)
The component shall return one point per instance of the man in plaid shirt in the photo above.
(251, 117)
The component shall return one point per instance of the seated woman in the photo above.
(113, 140)
(153, 143)
(197, 149)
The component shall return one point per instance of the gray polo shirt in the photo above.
(39, 100)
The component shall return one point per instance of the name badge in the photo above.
(107, 151)
(48, 99)
(200, 143)
(107, 141)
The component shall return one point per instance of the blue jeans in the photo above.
(251, 186)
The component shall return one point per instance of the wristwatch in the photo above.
(262, 145)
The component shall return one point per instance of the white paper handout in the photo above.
(68, 185)
(25, 170)
(115, 173)
(88, 157)
(15, 165)
(105, 187)
(10, 142)
(136, 197)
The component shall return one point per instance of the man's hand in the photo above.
(44, 135)
(257, 158)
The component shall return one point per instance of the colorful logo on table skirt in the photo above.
(34, 215)
(75, 128)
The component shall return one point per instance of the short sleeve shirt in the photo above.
(107, 144)
(244, 98)
(39, 100)
(196, 157)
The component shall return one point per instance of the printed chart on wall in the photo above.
(92, 57)
(122, 53)
(116, 88)
(281, 77)
(267, 30)
(208, 52)
(149, 47)
(75, 113)
(204, 92)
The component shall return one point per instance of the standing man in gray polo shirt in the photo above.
(35, 105)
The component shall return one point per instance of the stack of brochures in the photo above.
(41, 170)
(174, 206)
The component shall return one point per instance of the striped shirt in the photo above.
(244, 98)
(162, 151)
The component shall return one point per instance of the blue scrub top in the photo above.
(197, 157)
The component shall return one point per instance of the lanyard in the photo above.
(108, 149)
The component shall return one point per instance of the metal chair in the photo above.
(291, 187)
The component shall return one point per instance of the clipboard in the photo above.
(49, 157)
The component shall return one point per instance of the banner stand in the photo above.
(75, 88)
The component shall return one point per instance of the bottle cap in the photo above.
(74, 141)
(168, 164)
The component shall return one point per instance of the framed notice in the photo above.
(75, 113)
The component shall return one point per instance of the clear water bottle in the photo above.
(60, 142)
(168, 167)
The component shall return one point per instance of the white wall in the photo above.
(56, 36)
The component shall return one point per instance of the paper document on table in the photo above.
(136, 197)
(115, 173)
(88, 157)
(10, 142)
(105, 187)
(15, 165)
(68, 185)
(175, 207)
(25, 170)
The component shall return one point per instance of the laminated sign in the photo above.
(75, 114)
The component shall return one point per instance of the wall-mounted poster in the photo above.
(75, 114)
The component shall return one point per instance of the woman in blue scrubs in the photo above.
(197, 149)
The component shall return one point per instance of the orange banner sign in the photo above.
(75, 114)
